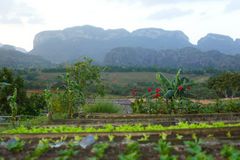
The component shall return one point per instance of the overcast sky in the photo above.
(20, 20)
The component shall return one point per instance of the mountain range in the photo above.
(188, 58)
(13, 58)
(70, 44)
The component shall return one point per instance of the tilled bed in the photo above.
(147, 151)
(146, 118)
(229, 133)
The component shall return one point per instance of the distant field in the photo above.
(118, 80)
(124, 77)
(131, 77)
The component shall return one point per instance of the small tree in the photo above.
(225, 84)
(48, 100)
(13, 104)
(82, 80)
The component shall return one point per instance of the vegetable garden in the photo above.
(163, 124)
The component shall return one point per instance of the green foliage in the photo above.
(48, 99)
(42, 147)
(99, 150)
(13, 104)
(174, 88)
(15, 145)
(79, 79)
(230, 152)
(158, 102)
(67, 154)
(132, 152)
(120, 128)
(164, 149)
(225, 84)
(195, 149)
(8, 83)
(149, 106)
(144, 138)
(202, 91)
(86, 75)
(36, 103)
(102, 107)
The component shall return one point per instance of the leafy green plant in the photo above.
(42, 147)
(179, 137)
(120, 128)
(195, 149)
(132, 152)
(96, 137)
(128, 137)
(174, 88)
(102, 107)
(15, 145)
(99, 150)
(230, 152)
(144, 138)
(164, 149)
(67, 154)
(163, 136)
(111, 138)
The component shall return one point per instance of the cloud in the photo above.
(161, 2)
(17, 12)
(233, 5)
(170, 14)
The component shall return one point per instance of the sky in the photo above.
(21, 20)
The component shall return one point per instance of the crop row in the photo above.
(63, 149)
(120, 128)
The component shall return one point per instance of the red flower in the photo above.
(149, 89)
(158, 90)
(134, 92)
(157, 95)
(188, 87)
(180, 88)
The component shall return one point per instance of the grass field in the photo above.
(131, 77)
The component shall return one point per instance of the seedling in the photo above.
(229, 135)
(179, 137)
(128, 137)
(163, 136)
(110, 138)
(144, 138)
(78, 138)
(194, 137)
(96, 137)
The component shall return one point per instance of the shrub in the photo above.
(102, 107)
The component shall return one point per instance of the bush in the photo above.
(102, 107)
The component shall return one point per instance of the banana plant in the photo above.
(173, 88)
